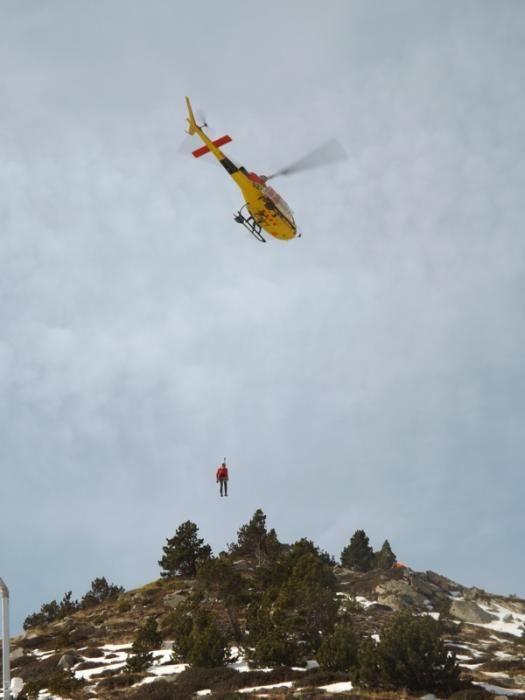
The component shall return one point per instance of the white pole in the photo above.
(6, 680)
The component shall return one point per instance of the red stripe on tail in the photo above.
(204, 149)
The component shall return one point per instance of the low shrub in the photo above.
(158, 690)
(193, 679)
(224, 681)
(60, 682)
(39, 669)
(85, 665)
(92, 652)
(471, 694)
(317, 677)
(124, 606)
(121, 680)
(22, 661)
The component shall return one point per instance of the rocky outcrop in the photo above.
(16, 654)
(172, 600)
(441, 583)
(469, 611)
(398, 595)
(67, 661)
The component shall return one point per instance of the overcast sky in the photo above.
(370, 374)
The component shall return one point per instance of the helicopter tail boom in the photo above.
(192, 124)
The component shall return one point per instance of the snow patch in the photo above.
(343, 687)
(498, 690)
(257, 688)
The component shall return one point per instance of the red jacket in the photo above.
(222, 473)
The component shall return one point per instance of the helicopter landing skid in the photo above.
(250, 224)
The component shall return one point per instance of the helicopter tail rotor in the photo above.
(201, 117)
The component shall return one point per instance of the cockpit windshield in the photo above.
(279, 202)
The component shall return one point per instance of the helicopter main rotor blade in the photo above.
(327, 153)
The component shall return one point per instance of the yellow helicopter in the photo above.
(264, 208)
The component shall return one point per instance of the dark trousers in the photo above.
(224, 486)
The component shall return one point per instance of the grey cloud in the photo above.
(368, 375)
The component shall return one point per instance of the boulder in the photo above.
(17, 685)
(474, 593)
(392, 602)
(16, 654)
(81, 633)
(424, 587)
(243, 565)
(398, 595)
(67, 661)
(515, 604)
(172, 600)
(468, 611)
(441, 582)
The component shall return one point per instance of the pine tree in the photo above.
(209, 648)
(306, 606)
(148, 636)
(100, 591)
(182, 623)
(219, 579)
(183, 552)
(68, 606)
(385, 558)
(253, 540)
(358, 554)
(146, 640)
(338, 651)
(306, 546)
(367, 673)
(198, 640)
(49, 612)
(412, 655)
(275, 647)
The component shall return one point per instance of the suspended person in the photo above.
(222, 478)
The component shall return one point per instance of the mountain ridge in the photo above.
(93, 644)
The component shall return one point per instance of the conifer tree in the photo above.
(183, 552)
(101, 590)
(367, 673)
(208, 648)
(49, 612)
(358, 554)
(198, 640)
(67, 605)
(182, 622)
(409, 655)
(146, 640)
(306, 606)
(338, 651)
(219, 579)
(385, 558)
(276, 647)
(255, 541)
(306, 546)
